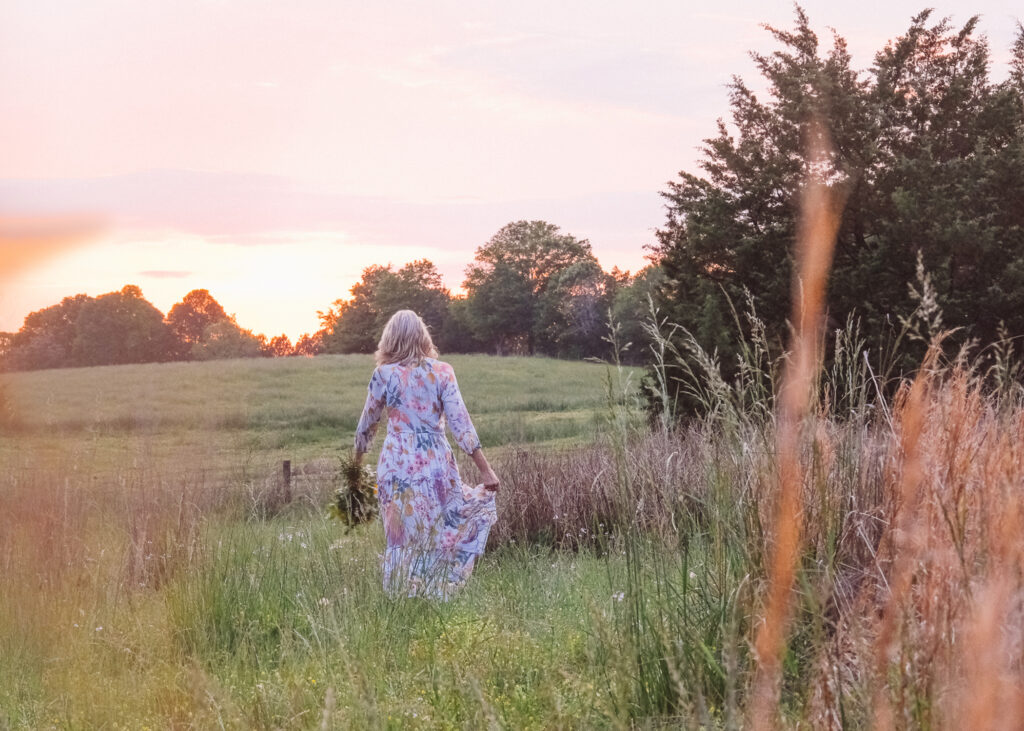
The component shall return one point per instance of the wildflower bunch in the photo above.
(355, 501)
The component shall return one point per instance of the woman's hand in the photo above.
(487, 476)
(490, 480)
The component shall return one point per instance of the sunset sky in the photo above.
(270, 151)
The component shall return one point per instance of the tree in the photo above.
(572, 316)
(279, 346)
(47, 336)
(417, 286)
(355, 325)
(926, 148)
(189, 318)
(6, 343)
(309, 345)
(1017, 61)
(631, 307)
(457, 335)
(121, 327)
(501, 309)
(223, 339)
(509, 276)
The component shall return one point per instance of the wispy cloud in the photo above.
(165, 274)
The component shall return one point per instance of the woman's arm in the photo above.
(457, 416)
(487, 476)
(372, 410)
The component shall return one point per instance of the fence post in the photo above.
(286, 472)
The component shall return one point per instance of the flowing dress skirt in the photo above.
(434, 525)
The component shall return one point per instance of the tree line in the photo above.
(530, 290)
(123, 327)
(927, 146)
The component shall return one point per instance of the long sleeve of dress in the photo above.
(457, 416)
(372, 410)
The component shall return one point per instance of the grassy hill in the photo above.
(218, 412)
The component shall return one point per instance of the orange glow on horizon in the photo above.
(28, 241)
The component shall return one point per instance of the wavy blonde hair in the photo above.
(405, 340)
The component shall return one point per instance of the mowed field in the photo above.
(153, 576)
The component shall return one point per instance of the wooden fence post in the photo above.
(286, 472)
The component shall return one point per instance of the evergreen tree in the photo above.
(930, 153)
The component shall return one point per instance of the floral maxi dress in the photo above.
(434, 526)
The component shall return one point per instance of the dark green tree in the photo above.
(457, 334)
(631, 307)
(355, 325)
(417, 286)
(190, 318)
(121, 327)
(508, 278)
(501, 308)
(926, 146)
(47, 336)
(224, 339)
(573, 309)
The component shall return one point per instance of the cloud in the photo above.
(257, 210)
(165, 274)
(600, 73)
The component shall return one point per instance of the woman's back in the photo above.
(420, 398)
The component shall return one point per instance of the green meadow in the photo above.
(151, 575)
(215, 414)
(156, 573)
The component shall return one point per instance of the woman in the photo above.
(435, 526)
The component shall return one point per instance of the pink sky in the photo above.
(270, 151)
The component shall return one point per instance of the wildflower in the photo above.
(619, 596)
(324, 601)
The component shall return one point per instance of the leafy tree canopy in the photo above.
(121, 327)
(513, 281)
(196, 311)
(354, 325)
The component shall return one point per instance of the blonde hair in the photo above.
(405, 340)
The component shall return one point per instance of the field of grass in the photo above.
(217, 415)
(143, 542)
(628, 581)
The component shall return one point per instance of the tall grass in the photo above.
(625, 586)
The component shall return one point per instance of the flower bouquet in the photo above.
(355, 501)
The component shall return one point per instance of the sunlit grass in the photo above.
(215, 413)
(622, 588)
(143, 542)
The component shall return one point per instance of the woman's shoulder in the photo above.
(439, 366)
(382, 371)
